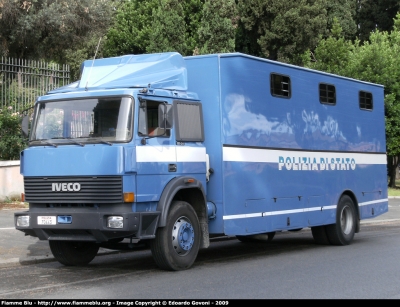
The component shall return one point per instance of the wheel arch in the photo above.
(190, 190)
(357, 208)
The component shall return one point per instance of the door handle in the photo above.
(172, 168)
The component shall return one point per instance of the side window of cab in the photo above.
(151, 118)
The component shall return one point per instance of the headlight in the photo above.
(23, 221)
(115, 222)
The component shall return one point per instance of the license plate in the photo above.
(46, 220)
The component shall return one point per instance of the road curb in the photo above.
(375, 222)
(12, 262)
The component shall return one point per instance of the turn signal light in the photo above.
(129, 197)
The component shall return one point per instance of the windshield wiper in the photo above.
(103, 141)
(69, 139)
(90, 139)
(49, 143)
(44, 142)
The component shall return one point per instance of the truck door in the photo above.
(156, 152)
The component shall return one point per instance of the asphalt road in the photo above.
(291, 266)
(18, 249)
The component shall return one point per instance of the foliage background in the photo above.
(11, 140)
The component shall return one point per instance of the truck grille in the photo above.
(83, 190)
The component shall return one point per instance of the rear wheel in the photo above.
(342, 232)
(176, 245)
(73, 253)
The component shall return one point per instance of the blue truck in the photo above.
(170, 151)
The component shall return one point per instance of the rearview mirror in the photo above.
(165, 116)
(25, 126)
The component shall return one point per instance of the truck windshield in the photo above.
(89, 120)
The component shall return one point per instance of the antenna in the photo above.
(87, 82)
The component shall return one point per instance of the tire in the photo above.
(176, 245)
(342, 232)
(257, 238)
(71, 253)
(320, 236)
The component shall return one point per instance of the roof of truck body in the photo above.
(158, 70)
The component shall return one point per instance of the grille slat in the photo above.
(92, 190)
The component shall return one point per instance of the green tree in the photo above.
(168, 28)
(218, 27)
(331, 54)
(132, 25)
(11, 140)
(375, 15)
(392, 112)
(283, 30)
(44, 29)
(193, 10)
(344, 11)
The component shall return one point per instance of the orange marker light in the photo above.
(129, 197)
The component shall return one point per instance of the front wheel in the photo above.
(176, 245)
(73, 253)
(342, 232)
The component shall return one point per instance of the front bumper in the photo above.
(91, 226)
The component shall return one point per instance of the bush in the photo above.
(11, 139)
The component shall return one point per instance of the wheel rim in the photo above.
(346, 220)
(182, 236)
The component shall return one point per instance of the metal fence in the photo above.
(22, 81)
